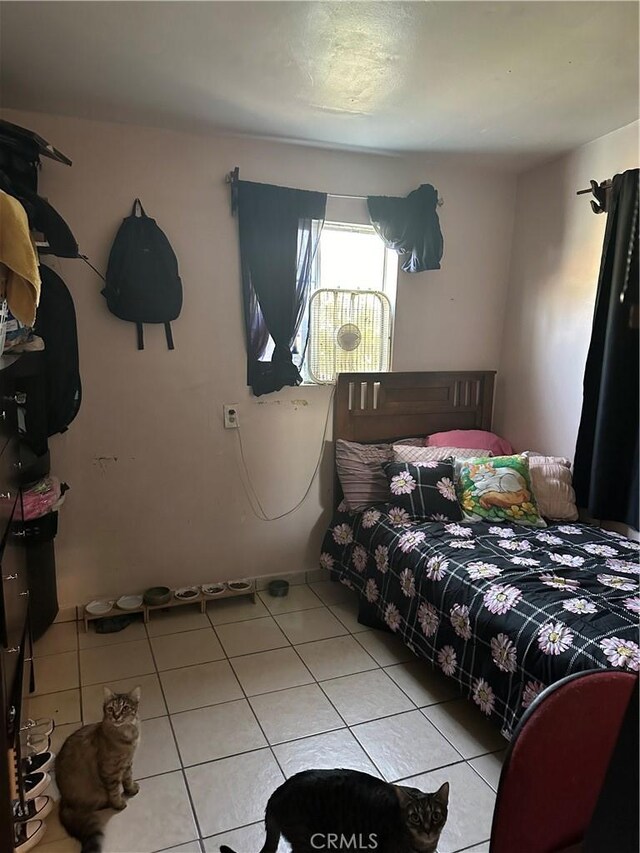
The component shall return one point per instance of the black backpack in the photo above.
(143, 285)
(56, 325)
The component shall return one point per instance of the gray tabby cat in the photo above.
(93, 768)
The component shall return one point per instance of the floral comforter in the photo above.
(504, 610)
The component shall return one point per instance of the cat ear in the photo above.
(442, 794)
(108, 693)
(406, 795)
(135, 694)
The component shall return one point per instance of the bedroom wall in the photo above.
(553, 277)
(156, 493)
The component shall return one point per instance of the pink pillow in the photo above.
(477, 438)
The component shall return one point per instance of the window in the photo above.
(349, 332)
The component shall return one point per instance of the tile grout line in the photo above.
(179, 754)
(342, 718)
(433, 770)
(79, 677)
(315, 682)
(319, 684)
(489, 752)
(477, 772)
(362, 722)
(150, 637)
(264, 734)
(246, 699)
(387, 716)
(422, 708)
(269, 613)
(471, 846)
(198, 841)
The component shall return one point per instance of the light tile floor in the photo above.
(235, 701)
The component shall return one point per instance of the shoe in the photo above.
(35, 784)
(28, 835)
(37, 761)
(41, 726)
(39, 807)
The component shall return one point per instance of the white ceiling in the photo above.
(524, 80)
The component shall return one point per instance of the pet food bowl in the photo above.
(278, 589)
(99, 607)
(241, 585)
(157, 595)
(129, 602)
(186, 593)
(212, 590)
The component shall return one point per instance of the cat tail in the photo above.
(86, 826)
(271, 841)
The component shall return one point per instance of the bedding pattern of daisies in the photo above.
(502, 610)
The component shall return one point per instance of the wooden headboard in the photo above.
(383, 406)
(372, 407)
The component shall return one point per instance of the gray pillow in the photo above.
(360, 471)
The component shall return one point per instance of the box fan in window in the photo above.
(349, 331)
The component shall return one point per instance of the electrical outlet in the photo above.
(231, 420)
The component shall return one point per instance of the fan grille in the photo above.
(349, 330)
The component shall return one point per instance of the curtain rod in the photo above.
(440, 201)
(600, 195)
(234, 176)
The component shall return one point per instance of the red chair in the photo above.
(557, 761)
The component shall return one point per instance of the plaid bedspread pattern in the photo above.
(503, 610)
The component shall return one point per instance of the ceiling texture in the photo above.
(522, 80)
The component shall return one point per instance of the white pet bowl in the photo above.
(99, 607)
(129, 602)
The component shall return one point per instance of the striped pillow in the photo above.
(359, 468)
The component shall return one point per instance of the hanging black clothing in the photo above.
(410, 226)
(279, 234)
(606, 460)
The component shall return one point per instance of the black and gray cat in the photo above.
(93, 768)
(349, 810)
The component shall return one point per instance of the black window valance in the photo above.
(410, 226)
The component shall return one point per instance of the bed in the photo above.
(502, 610)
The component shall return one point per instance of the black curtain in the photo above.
(410, 226)
(279, 234)
(606, 461)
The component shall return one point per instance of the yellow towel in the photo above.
(19, 274)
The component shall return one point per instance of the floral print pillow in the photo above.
(425, 490)
(498, 489)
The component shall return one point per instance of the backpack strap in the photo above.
(137, 204)
(169, 335)
(167, 331)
